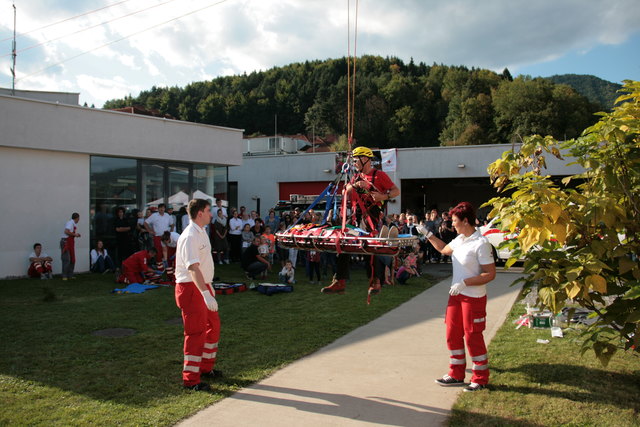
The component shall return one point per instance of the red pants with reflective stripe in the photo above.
(201, 332)
(466, 319)
(36, 269)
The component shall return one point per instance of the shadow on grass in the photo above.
(594, 385)
(467, 418)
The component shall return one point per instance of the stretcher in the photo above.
(351, 240)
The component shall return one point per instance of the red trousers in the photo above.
(37, 269)
(466, 319)
(201, 332)
(157, 243)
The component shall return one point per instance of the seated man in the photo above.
(101, 262)
(252, 262)
(137, 268)
(40, 263)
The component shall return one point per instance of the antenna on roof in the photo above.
(13, 54)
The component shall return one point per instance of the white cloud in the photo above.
(238, 36)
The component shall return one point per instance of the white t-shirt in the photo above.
(193, 247)
(71, 226)
(469, 253)
(95, 255)
(249, 221)
(185, 221)
(235, 226)
(43, 254)
(174, 240)
(159, 223)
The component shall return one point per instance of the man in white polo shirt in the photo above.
(196, 298)
(157, 224)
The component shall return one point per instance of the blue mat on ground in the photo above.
(134, 288)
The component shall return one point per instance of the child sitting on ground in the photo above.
(405, 272)
(287, 275)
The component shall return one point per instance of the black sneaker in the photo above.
(474, 387)
(446, 381)
(214, 374)
(198, 387)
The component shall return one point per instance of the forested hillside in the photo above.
(397, 104)
(597, 90)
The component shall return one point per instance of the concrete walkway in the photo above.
(380, 374)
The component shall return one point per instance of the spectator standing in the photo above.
(68, 246)
(219, 231)
(247, 236)
(271, 239)
(196, 299)
(157, 224)
(235, 236)
(272, 220)
(219, 207)
(145, 241)
(172, 218)
(183, 220)
(40, 263)
(258, 227)
(101, 262)
(313, 265)
(123, 236)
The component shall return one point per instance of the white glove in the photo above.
(456, 288)
(210, 300)
(423, 230)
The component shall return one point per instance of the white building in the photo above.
(56, 159)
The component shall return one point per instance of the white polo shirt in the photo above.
(71, 226)
(159, 223)
(469, 253)
(173, 242)
(193, 247)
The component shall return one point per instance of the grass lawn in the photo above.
(551, 384)
(53, 371)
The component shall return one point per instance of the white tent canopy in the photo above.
(181, 198)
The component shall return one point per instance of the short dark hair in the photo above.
(197, 205)
(464, 210)
(120, 208)
(75, 215)
(162, 205)
(36, 244)
(166, 236)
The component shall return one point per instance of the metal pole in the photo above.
(13, 54)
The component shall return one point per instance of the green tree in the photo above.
(581, 243)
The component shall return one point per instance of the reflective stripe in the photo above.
(480, 320)
(191, 368)
(190, 358)
(479, 358)
(457, 352)
(210, 345)
(480, 367)
(453, 361)
(209, 355)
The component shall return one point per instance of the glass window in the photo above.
(113, 184)
(152, 180)
(178, 185)
(210, 182)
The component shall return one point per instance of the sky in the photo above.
(121, 47)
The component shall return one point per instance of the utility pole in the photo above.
(275, 134)
(13, 54)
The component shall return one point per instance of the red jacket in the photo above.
(137, 262)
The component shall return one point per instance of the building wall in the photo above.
(71, 98)
(48, 126)
(39, 192)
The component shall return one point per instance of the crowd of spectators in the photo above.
(242, 236)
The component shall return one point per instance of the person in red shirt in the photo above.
(374, 188)
(137, 268)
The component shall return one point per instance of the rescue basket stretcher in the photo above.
(352, 241)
